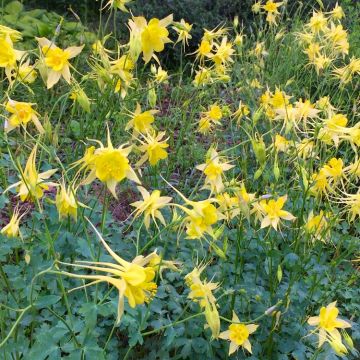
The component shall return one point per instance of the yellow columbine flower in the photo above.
(279, 99)
(273, 212)
(271, 6)
(154, 37)
(242, 110)
(150, 206)
(333, 128)
(133, 280)
(32, 184)
(337, 13)
(123, 68)
(160, 75)
(334, 169)
(318, 226)
(204, 50)
(238, 335)
(210, 117)
(352, 202)
(223, 53)
(183, 30)
(66, 203)
(25, 72)
(12, 228)
(345, 73)
(201, 292)
(281, 143)
(14, 35)
(228, 205)
(338, 38)
(153, 148)
(56, 61)
(203, 76)
(21, 114)
(328, 323)
(317, 22)
(148, 38)
(214, 169)
(78, 95)
(118, 4)
(109, 165)
(8, 55)
(141, 121)
(320, 183)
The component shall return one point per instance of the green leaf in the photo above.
(15, 8)
(47, 300)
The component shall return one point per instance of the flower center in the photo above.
(238, 333)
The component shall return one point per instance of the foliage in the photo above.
(246, 221)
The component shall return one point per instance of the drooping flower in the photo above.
(134, 280)
(183, 30)
(238, 335)
(150, 206)
(66, 202)
(79, 96)
(122, 68)
(12, 228)
(346, 73)
(328, 323)
(214, 169)
(118, 4)
(273, 212)
(56, 61)
(318, 226)
(201, 292)
(21, 114)
(32, 184)
(25, 72)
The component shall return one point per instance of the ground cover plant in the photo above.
(207, 211)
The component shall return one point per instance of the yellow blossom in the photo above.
(134, 280)
(238, 335)
(8, 55)
(56, 61)
(66, 203)
(337, 13)
(32, 184)
(346, 73)
(273, 212)
(281, 144)
(317, 22)
(183, 30)
(153, 146)
(21, 114)
(141, 121)
(318, 226)
(328, 323)
(214, 169)
(109, 165)
(14, 35)
(12, 230)
(150, 206)
(118, 4)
